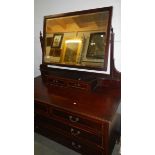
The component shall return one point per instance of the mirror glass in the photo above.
(77, 40)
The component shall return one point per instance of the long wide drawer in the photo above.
(70, 130)
(76, 120)
(72, 143)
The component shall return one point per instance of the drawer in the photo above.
(71, 143)
(71, 83)
(40, 108)
(70, 130)
(76, 120)
(57, 82)
(78, 85)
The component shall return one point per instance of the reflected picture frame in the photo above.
(93, 51)
(71, 51)
(57, 40)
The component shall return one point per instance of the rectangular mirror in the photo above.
(78, 39)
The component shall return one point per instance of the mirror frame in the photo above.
(104, 67)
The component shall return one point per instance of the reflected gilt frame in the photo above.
(72, 47)
(57, 40)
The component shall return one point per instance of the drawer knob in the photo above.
(74, 133)
(76, 146)
(76, 119)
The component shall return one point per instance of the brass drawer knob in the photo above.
(76, 146)
(74, 133)
(76, 119)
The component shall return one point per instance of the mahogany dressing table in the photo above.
(75, 104)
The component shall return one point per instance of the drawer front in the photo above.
(40, 108)
(72, 143)
(57, 82)
(78, 85)
(72, 131)
(76, 120)
(65, 82)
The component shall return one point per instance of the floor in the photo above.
(45, 146)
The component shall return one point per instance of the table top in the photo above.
(101, 104)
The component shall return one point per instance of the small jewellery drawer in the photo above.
(74, 119)
(71, 131)
(56, 82)
(69, 141)
(40, 108)
(77, 85)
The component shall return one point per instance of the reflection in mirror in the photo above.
(78, 40)
(96, 46)
(72, 51)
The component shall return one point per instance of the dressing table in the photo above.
(75, 101)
